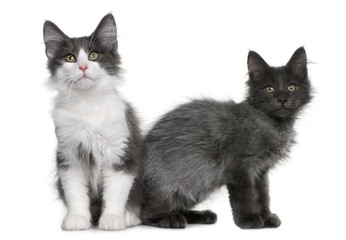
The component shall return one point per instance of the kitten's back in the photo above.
(182, 146)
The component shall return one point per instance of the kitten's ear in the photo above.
(257, 67)
(54, 38)
(298, 63)
(105, 35)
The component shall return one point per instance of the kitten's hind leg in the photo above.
(160, 208)
(160, 214)
(199, 217)
(131, 219)
(170, 220)
(181, 218)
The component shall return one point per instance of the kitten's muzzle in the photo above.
(83, 68)
(282, 101)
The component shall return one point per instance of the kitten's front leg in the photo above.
(116, 188)
(242, 195)
(75, 188)
(262, 188)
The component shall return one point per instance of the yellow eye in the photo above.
(70, 58)
(93, 56)
(291, 88)
(270, 89)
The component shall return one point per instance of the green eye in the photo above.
(93, 56)
(70, 58)
(291, 88)
(270, 89)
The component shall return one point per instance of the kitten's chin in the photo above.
(284, 113)
(84, 83)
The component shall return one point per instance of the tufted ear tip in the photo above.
(105, 34)
(53, 37)
(256, 66)
(298, 63)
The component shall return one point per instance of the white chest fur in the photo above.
(97, 122)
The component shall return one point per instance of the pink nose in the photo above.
(83, 68)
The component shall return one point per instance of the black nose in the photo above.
(282, 101)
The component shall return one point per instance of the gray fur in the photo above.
(205, 144)
(133, 161)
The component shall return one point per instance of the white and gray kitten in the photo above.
(99, 142)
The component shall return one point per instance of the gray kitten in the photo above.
(205, 144)
(99, 142)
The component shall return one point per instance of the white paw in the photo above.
(74, 222)
(110, 222)
(131, 219)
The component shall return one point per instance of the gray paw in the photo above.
(252, 221)
(272, 221)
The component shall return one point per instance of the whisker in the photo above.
(59, 83)
(69, 92)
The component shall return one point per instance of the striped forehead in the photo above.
(279, 78)
(81, 43)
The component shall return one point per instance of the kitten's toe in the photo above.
(73, 222)
(272, 221)
(109, 222)
(168, 221)
(177, 221)
(200, 217)
(209, 217)
(250, 221)
(131, 219)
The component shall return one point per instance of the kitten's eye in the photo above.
(291, 88)
(270, 89)
(93, 56)
(70, 58)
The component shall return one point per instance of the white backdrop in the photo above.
(172, 51)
